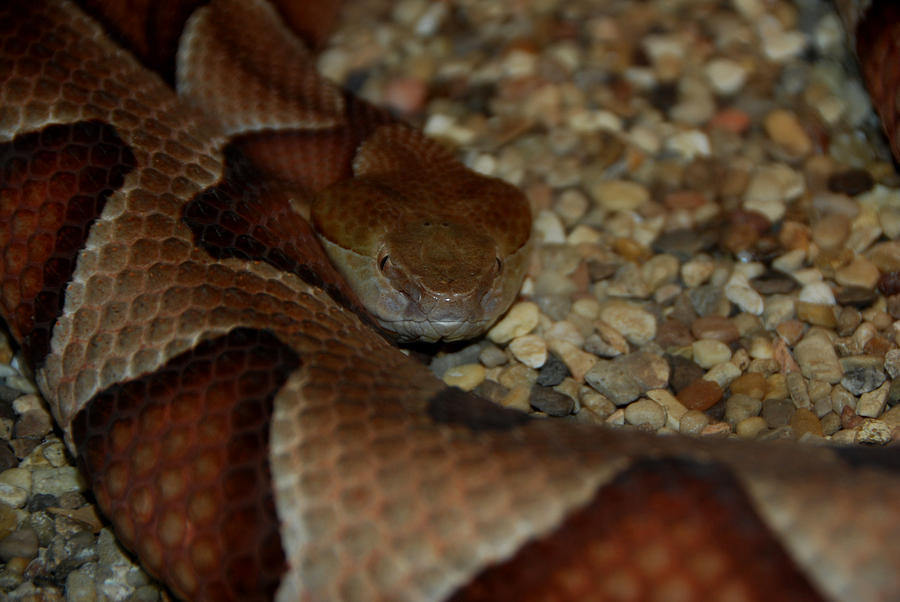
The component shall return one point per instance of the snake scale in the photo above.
(247, 427)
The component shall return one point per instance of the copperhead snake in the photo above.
(168, 309)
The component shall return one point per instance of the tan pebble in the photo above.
(617, 195)
(751, 428)
(796, 386)
(817, 293)
(790, 331)
(716, 429)
(723, 374)
(577, 361)
(586, 307)
(831, 231)
(761, 348)
(617, 418)
(466, 377)
(645, 412)
(529, 349)
(517, 398)
(885, 256)
(892, 417)
(693, 422)
(872, 404)
(707, 353)
(785, 130)
(520, 320)
(697, 271)
(776, 387)
(804, 421)
(860, 272)
(564, 331)
(517, 374)
(549, 228)
(596, 402)
(739, 292)
(817, 314)
(674, 408)
(874, 432)
(741, 359)
(752, 384)
(659, 270)
(845, 436)
(635, 324)
(700, 395)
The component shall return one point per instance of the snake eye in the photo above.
(383, 262)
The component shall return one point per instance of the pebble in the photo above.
(723, 374)
(521, 319)
(707, 352)
(635, 324)
(700, 395)
(552, 371)
(785, 130)
(529, 349)
(752, 384)
(650, 370)
(804, 422)
(777, 412)
(739, 292)
(874, 432)
(617, 195)
(693, 422)
(872, 403)
(551, 402)
(646, 412)
(751, 428)
(716, 328)
(725, 75)
(466, 377)
(861, 376)
(607, 378)
(740, 407)
(577, 361)
(675, 410)
(860, 273)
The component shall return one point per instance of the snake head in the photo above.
(430, 261)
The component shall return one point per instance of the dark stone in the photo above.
(862, 379)
(778, 412)
(851, 181)
(42, 501)
(773, 282)
(684, 372)
(552, 372)
(856, 296)
(550, 401)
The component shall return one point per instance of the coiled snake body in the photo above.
(251, 437)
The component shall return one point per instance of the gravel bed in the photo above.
(718, 220)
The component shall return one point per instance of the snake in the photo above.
(210, 286)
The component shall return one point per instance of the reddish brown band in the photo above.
(664, 530)
(178, 459)
(53, 185)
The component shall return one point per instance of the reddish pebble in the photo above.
(684, 199)
(733, 120)
(889, 283)
(717, 328)
(849, 418)
(405, 94)
(700, 395)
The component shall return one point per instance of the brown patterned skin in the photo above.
(386, 485)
